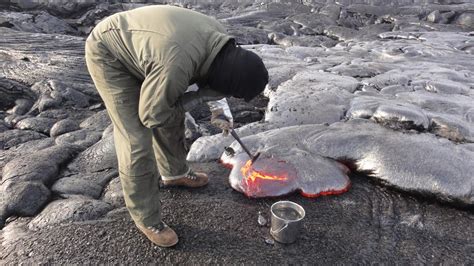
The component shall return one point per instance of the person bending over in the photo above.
(142, 62)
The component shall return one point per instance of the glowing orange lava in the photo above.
(251, 175)
(273, 177)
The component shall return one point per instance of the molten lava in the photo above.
(274, 177)
(250, 174)
(267, 176)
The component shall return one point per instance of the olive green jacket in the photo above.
(166, 47)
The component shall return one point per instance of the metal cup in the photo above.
(286, 221)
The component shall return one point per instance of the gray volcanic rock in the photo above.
(22, 198)
(341, 33)
(34, 167)
(99, 178)
(394, 114)
(22, 106)
(466, 19)
(14, 19)
(278, 75)
(252, 16)
(447, 86)
(24, 148)
(247, 116)
(441, 168)
(370, 32)
(100, 156)
(3, 127)
(331, 10)
(33, 146)
(109, 131)
(24, 177)
(12, 120)
(459, 105)
(11, 138)
(38, 22)
(83, 184)
(63, 126)
(308, 41)
(113, 193)
(434, 17)
(76, 186)
(90, 17)
(38, 124)
(59, 114)
(70, 210)
(371, 10)
(41, 57)
(357, 69)
(452, 128)
(51, 24)
(389, 78)
(83, 138)
(394, 89)
(281, 26)
(52, 93)
(325, 101)
(98, 121)
(58, 7)
(248, 35)
(96, 165)
(11, 91)
(316, 22)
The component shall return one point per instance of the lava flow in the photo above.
(252, 175)
(274, 177)
(267, 177)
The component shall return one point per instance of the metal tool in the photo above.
(236, 137)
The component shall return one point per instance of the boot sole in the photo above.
(182, 185)
(166, 246)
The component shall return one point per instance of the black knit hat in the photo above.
(237, 72)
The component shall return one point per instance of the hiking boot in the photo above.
(192, 179)
(162, 236)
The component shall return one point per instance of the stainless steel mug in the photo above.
(286, 221)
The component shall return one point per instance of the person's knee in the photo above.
(144, 116)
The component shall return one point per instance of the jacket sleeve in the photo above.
(160, 91)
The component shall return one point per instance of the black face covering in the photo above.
(237, 72)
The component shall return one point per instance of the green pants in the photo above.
(141, 151)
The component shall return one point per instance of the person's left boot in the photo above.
(192, 179)
(162, 235)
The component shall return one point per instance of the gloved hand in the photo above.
(221, 120)
(221, 116)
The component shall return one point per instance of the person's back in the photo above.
(167, 35)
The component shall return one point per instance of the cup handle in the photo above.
(279, 230)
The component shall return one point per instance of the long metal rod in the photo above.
(236, 137)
